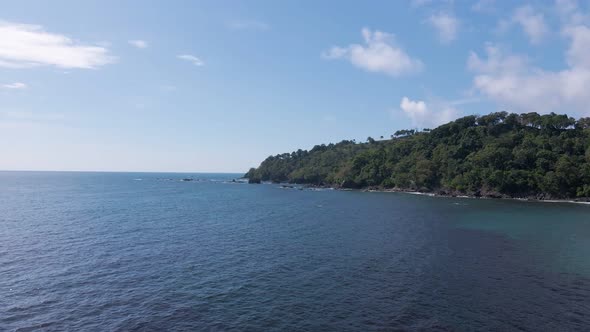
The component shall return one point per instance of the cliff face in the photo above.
(500, 154)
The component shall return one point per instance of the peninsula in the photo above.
(498, 155)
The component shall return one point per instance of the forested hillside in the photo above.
(496, 155)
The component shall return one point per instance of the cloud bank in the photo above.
(513, 82)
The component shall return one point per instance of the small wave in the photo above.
(420, 193)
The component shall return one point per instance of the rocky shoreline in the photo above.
(584, 200)
(446, 193)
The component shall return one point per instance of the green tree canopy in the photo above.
(499, 154)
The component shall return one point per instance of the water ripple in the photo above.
(102, 252)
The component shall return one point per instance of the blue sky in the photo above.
(220, 85)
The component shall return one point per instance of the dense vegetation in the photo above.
(496, 155)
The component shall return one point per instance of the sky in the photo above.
(217, 86)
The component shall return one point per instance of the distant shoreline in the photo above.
(431, 194)
(475, 197)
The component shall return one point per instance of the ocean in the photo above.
(149, 252)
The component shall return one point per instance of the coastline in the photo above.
(520, 199)
(583, 201)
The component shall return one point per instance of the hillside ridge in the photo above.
(496, 155)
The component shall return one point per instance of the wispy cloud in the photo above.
(25, 45)
(248, 25)
(446, 25)
(379, 53)
(138, 43)
(191, 58)
(530, 20)
(15, 85)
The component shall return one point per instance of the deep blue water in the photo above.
(111, 252)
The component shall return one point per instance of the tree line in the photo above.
(496, 155)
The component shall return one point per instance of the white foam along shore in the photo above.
(420, 193)
(473, 197)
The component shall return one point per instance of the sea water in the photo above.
(149, 252)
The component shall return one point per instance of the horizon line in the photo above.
(95, 171)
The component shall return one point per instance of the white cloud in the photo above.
(446, 26)
(511, 81)
(423, 115)
(379, 54)
(191, 58)
(24, 46)
(138, 43)
(15, 85)
(532, 23)
(577, 54)
(248, 25)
